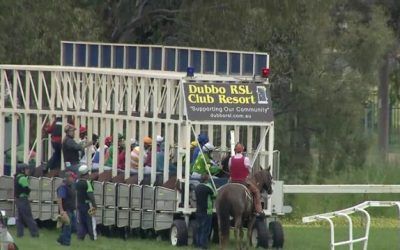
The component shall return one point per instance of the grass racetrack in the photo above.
(297, 237)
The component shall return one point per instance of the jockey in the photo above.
(240, 168)
(203, 140)
(202, 163)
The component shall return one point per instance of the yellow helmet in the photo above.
(193, 144)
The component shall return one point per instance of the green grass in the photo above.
(297, 237)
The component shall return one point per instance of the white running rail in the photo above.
(346, 214)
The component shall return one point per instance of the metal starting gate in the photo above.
(138, 90)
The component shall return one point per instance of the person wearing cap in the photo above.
(120, 154)
(90, 150)
(134, 160)
(205, 196)
(71, 149)
(55, 130)
(240, 169)
(96, 156)
(66, 195)
(82, 133)
(193, 146)
(202, 139)
(147, 142)
(86, 204)
(24, 212)
(204, 162)
(160, 143)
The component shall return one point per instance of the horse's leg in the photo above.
(242, 246)
(250, 227)
(222, 238)
(238, 225)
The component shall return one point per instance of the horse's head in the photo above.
(264, 180)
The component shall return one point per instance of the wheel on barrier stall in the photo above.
(259, 234)
(276, 229)
(179, 233)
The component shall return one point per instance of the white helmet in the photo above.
(208, 147)
(159, 139)
(83, 169)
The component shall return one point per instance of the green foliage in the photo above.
(325, 57)
(324, 60)
(32, 30)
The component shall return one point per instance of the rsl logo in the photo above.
(262, 97)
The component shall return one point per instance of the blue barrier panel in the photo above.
(196, 60)
(106, 56)
(221, 62)
(80, 56)
(235, 63)
(261, 62)
(170, 59)
(156, 58)
(93, 55)
(248, 64)
(68, 52)
(144, 58)
(183, 61)
(131, 57)
(208, 62)
(118, 57)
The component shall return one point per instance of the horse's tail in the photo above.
(223, 221)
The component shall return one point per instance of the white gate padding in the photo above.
(346, 214)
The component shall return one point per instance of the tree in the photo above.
(324, 60)
(32, 30)
(144, 21)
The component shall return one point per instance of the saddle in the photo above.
(246, 188)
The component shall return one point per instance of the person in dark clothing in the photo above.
(55, 129)
(67, 204)
(85, 202)
(205, 196)
(24, 212)
(71, 149)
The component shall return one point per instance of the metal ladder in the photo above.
(346, 214)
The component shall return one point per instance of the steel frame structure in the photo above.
(109, 101)
(164, 58)
(345, 213)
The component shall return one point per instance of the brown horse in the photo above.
(235, 200)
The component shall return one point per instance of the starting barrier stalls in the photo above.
(137, 102)
(119, 204)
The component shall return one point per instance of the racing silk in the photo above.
(205, 196)
(239, 171)
(200, 166)
(109, 161)
(84, 193)
(21, 186)
(55, 129)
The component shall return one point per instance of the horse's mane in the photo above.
(262, 177)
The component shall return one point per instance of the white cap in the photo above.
(208, 147)
(160, 138)
(83, 169)
(133, 141)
